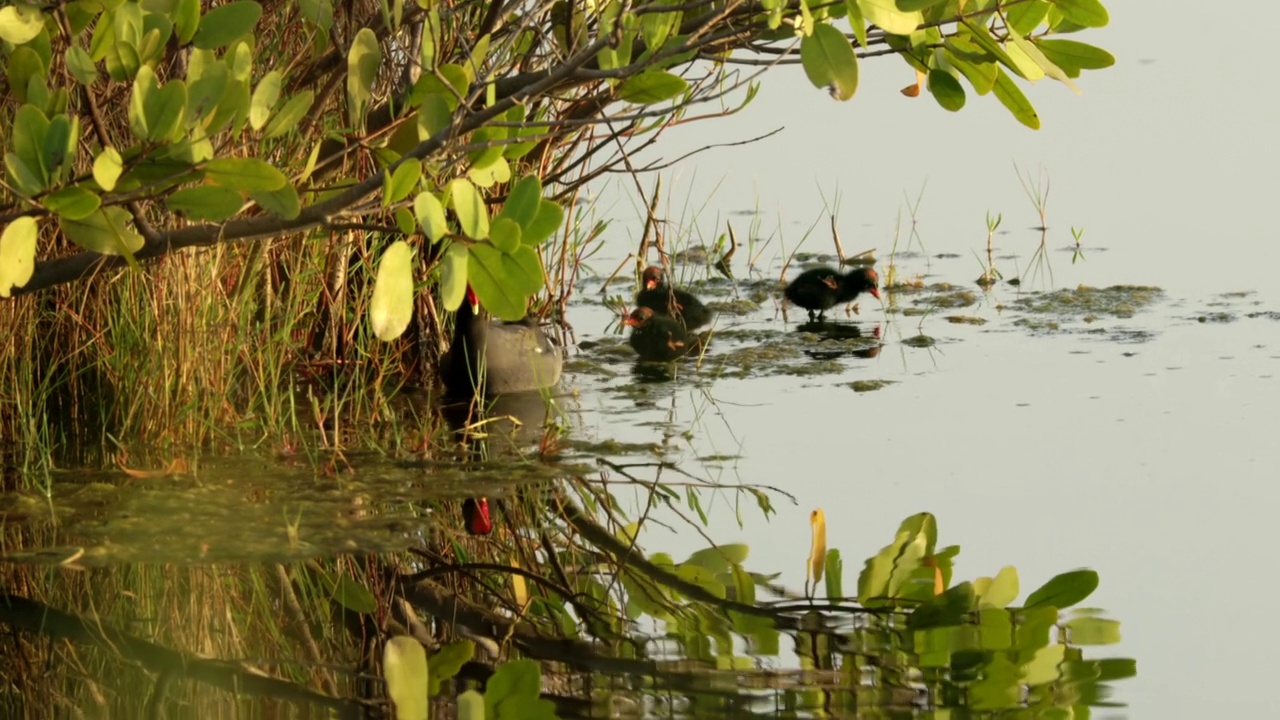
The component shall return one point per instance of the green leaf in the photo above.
(505, 234)
(946, 90)
(1072, 54)
(404, 665)
(471, 706)
(466, 201)
(1064, 590)
(20, 24)
(829, 61)
(504, 282)
(207, 202)
(60, 141)
(186, 20)
(362, 70)
(30, 128)
(17, 254)
(1088, 13)
(834, 575)
(1024, 17)
(25, 67)
(1086, 630)
(350, 594)
(107, 168)
(165, 109)
(523, 201)
(886, 14)
(1007, 92)
(719, 558)
(81, 65)
(544, 224)
(430, 213)
(226, 23)
(857, 22)
(652, 86)
(434, 115)
(514, 691)
(206, 91)
(105, 231)
(73, 203)
(281, 202)
(453, 276)
(264, 99)
(497, 171)
(245, 174)
(22, 176)
(397, 185)
(391, 308)
(1003, 589)
(287, 119)
(949, 609)
(447, 661)
(1031, 51)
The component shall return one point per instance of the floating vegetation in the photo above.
(965, 320)
(862, 386)
(919, 341)
(1121, 301)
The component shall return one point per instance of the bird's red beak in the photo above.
(475, 512)
(875, 292)
(471, 298)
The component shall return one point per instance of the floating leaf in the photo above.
(20, 24)
(17, 254)
(107, 168)
(829, 61)
(105, 231)
(430, 214)
(473, 216)
(404, 666)
(263, 100)
(73, 203)
(245, 174)
(208, 202)
(652, 86)
(226, 23)
(391, 308)
(1064, 590)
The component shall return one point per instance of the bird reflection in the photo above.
(832, 334)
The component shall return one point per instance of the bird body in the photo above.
(498, 357)
(664, 299)
(821, 288)
(660, 338)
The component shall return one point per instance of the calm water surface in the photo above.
(1147, 453)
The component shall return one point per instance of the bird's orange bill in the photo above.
(475, 512)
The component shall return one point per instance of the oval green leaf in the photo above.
(829, 61)
(107, 168)
(1064, 590)
(1007, 92)
(287, 119)
(1088, 13)
(503, 282)
(17, 254)
(245, 174)
(81, 65)
(391, 308)
(1072, 54)
(404, 666)
(207, 202)
(281, 202)
(453, 276)
(544, 225)
(885, 13)
(652, 86)
(946, 90)
(362, 69)
(20, 23)
(505, 234)
(447, 661)
(225, 23)
(73, 203)
(466, 201)
(397, 185)
(263, 100)
(523, 201)
(106, 231)
(430, 213)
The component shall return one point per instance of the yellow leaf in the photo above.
(818, 546)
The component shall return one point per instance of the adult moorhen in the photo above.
(663, 299)
(661, 338)
(822, 287)
(497, 357)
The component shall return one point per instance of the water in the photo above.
(1147, 455)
